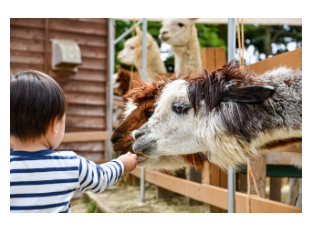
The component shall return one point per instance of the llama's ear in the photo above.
(192, 20)
(150, 40)
(138, 31)
(247, 94)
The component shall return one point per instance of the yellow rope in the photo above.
(241, 42)
(131, 77)
(250, 173)
(249, 169)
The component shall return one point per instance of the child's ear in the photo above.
(53, 125)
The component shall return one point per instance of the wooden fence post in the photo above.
(213, 58)
(258, 166)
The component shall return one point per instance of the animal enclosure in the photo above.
(87, 94)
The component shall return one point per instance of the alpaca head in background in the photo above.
(181, 34)
(133, 48)
(177, 31)
(132, 55)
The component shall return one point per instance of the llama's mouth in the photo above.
(141, 159)
(145, 147)
(165, 38)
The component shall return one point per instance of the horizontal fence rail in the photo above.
(214, 195)
(292, 59)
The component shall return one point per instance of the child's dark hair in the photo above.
(35, 101)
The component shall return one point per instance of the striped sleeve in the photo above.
(97, 178)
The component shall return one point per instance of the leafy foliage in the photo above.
(208, 36)
(262, 37)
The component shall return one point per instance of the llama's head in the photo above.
(132, 52)
(177, 31)
(138, 109)
(212, 113)
(121, 81)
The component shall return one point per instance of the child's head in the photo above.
(37, 108)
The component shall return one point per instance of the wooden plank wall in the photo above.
(85, 90)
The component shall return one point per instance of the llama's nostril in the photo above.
(114, 138)
(138, 134)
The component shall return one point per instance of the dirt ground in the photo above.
(124, 200)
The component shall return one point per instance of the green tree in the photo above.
(262, 37)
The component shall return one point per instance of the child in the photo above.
(41, 179)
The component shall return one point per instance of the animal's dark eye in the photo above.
(132, 48)
(180, 24)
(118, 80)
(149, 114)
(181, 108)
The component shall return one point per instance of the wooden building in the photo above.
(85, 90)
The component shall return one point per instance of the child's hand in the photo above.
(129, 161)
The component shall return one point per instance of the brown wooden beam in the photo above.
(46, 45)
(117, 100)
(292, 59)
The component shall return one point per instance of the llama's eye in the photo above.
(149, 114)
(118, 80)
(131, 48)
(181, 108)
(180, 24)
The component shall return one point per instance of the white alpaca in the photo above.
(132, 55)
(181, 34)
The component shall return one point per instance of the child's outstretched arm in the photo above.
(97, 178)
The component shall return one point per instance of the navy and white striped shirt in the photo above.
(45, 180)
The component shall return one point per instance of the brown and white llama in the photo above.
(228, 115)
(121, 81)
(132, 55)
(181, 34)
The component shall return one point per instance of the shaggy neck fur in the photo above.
(243, 128)
(188, 57)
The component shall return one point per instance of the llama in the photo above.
(181, 34)
(132, 55)
(227, 114)
(121, 81)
